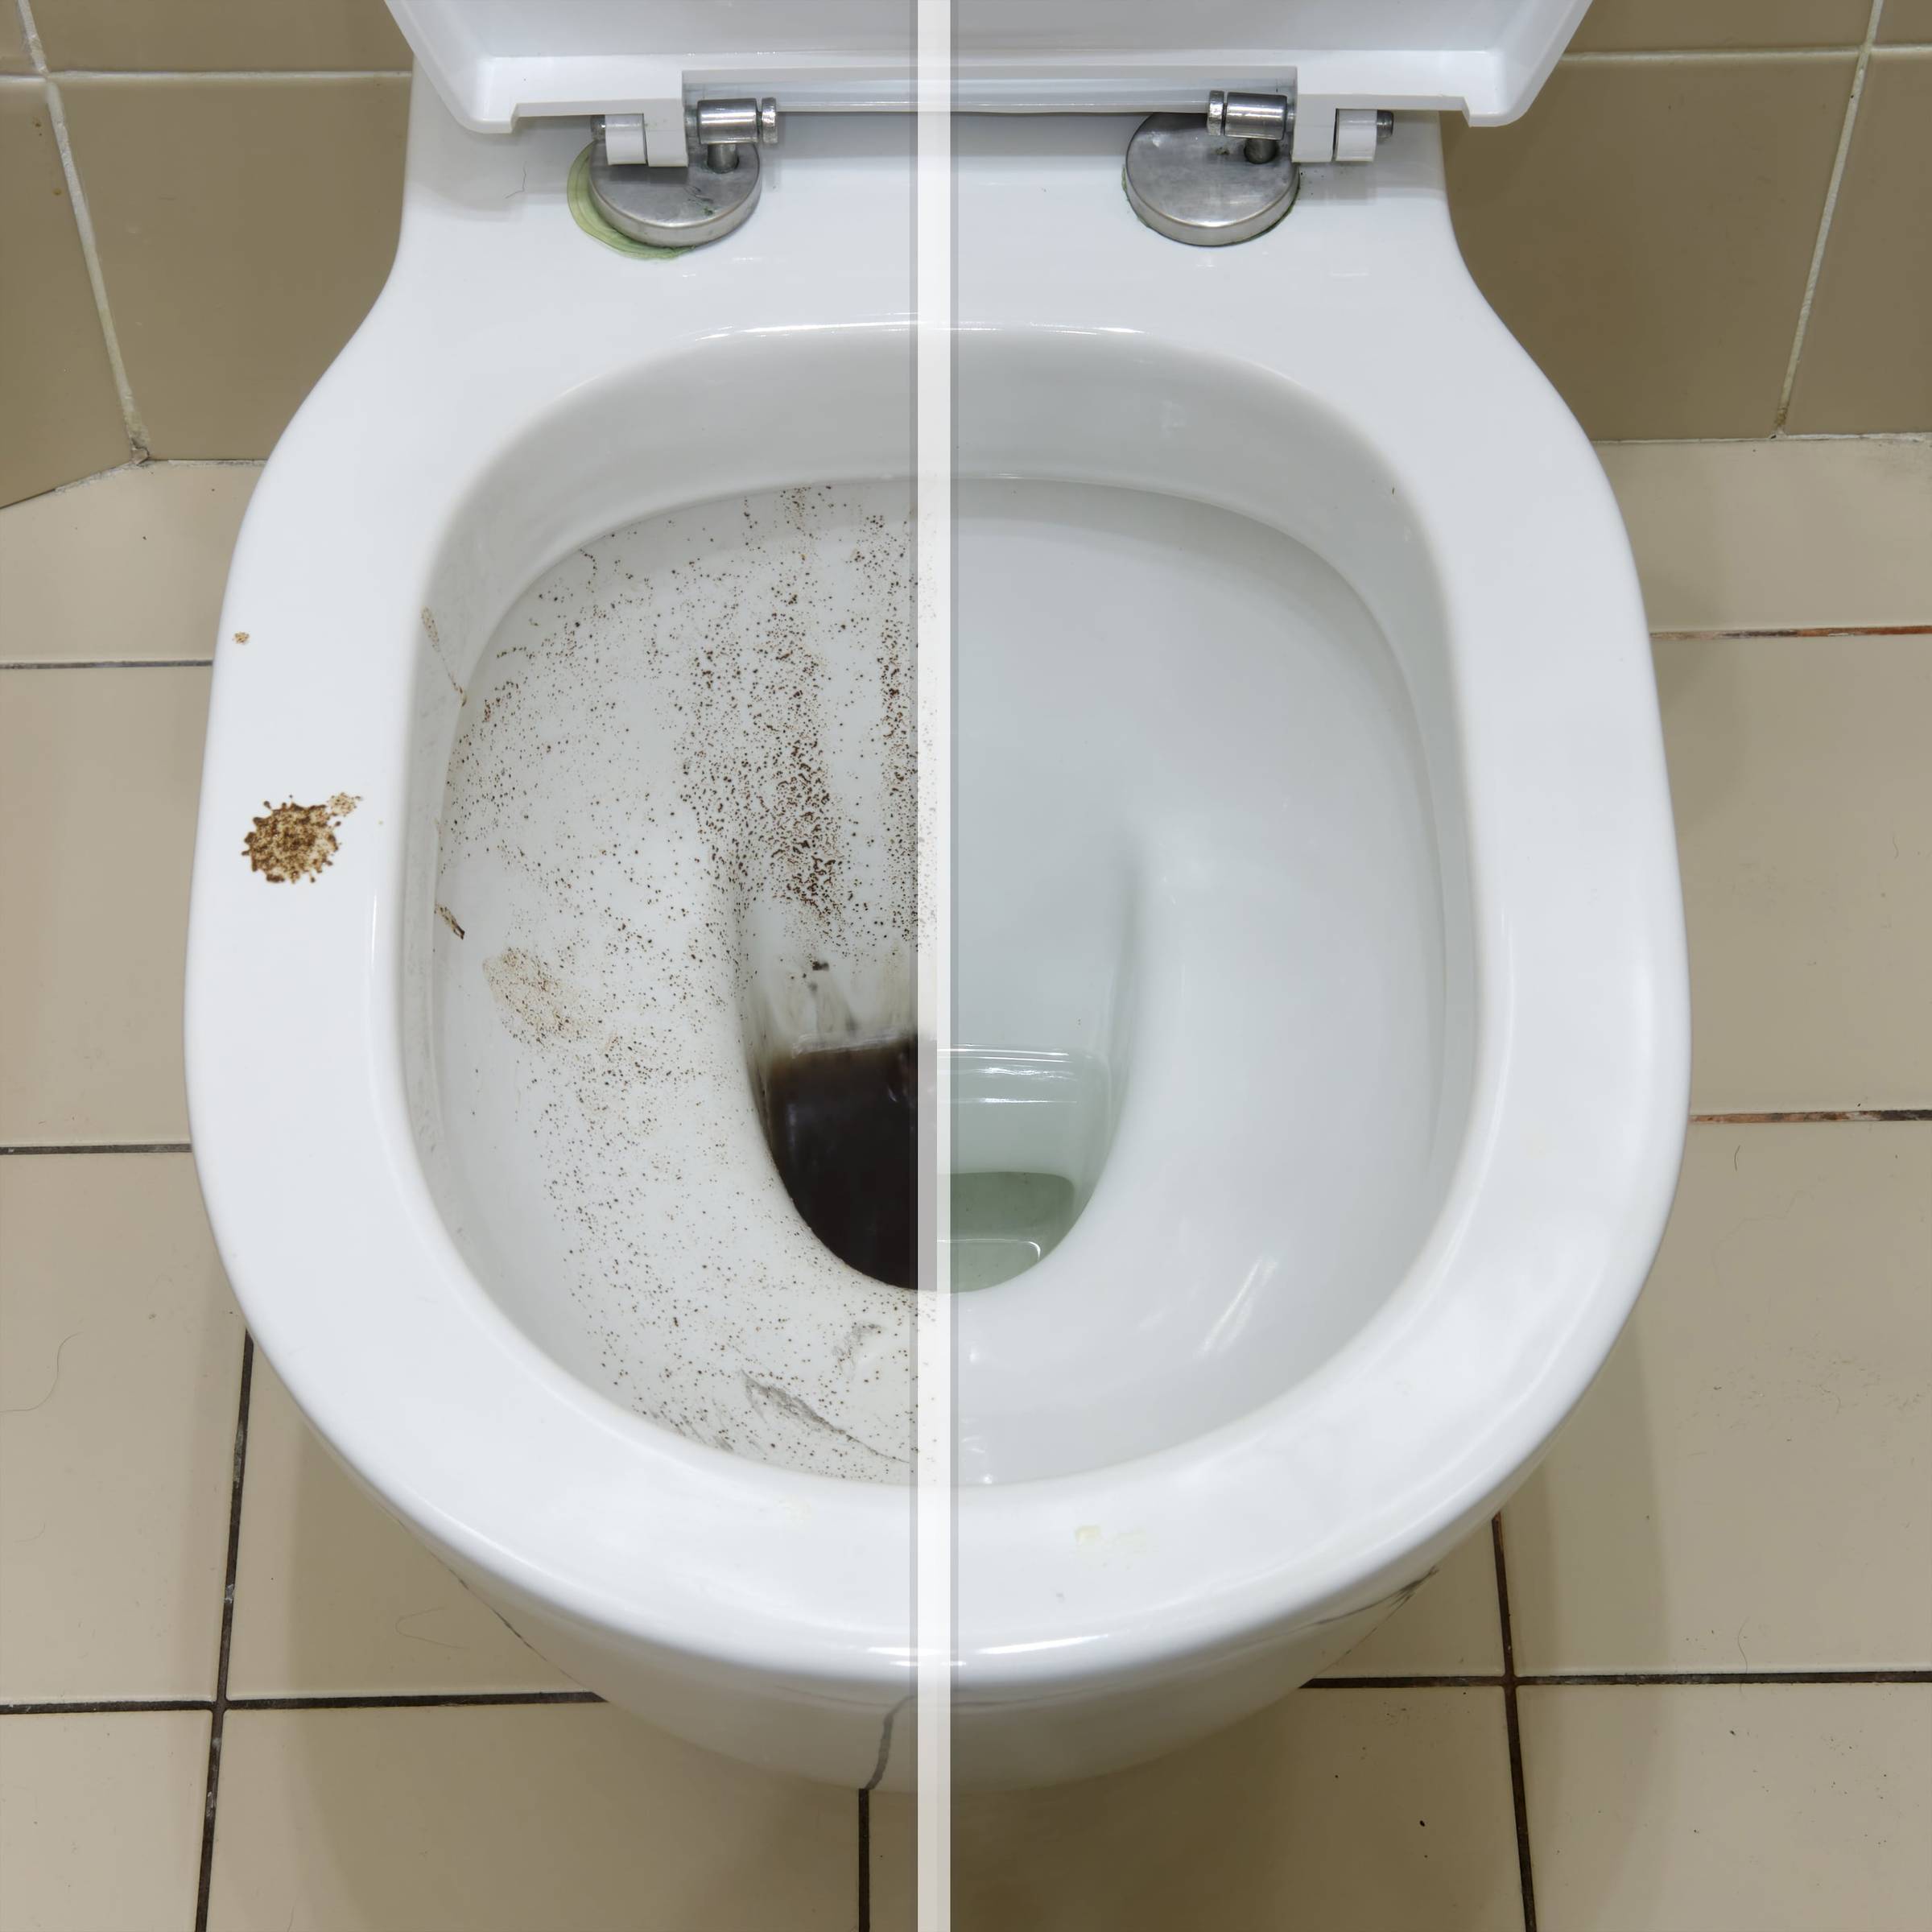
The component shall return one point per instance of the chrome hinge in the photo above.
(1262, 122)
(710, 188)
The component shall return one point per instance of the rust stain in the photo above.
(292, 841)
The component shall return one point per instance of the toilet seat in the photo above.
(756, 1608)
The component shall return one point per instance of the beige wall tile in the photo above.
(129, 566)
(245, 227)
(57, 396)
(1450, 1627)
(334, 1597)
(1764, 1808)
(101, 1828)
(160, 35)
(1803, 800)
(1906, 20)
(573, 1818)
(1786, 535)
(99, 774)
(1629, 25)
(1353, 1810)
(1868, 356)
(13, 57)
(1646, 229)
(119, 1377)
(1748, 1486)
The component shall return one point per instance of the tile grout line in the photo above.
(1832, 185)
(415, 1700)
(27, 1148)
(1518, 1793)
(218, 1711)
(1893, 1115)
(864, 1917)
(107, 664)
(84, 228)
(1745, 634)
(433, 1700)
(1536, 1680)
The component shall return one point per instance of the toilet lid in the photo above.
(496, 61)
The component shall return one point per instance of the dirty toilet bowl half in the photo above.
(1255, 1393)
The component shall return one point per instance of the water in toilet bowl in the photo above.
(1200, 968)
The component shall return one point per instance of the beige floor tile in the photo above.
(1450, 1627)
(130, 565)
(565, 1818)
(58, 402)
(1750, 1485)
(1778, 536)
(1655, 280)
(1378, 1811)
(1906, 20)
(100, 1824)
(1866, 363)
(1803, 798)
(119, 1375)
(1720, 1808)
(99, 774)
(245, 226)
(334, 1597)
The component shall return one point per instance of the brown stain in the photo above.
(449, 919)
(290, 841)
(241, 637)
(538, 1005)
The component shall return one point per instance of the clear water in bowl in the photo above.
(1028, 1135)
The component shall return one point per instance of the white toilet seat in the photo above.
(442, 462)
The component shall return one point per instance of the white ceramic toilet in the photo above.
(1321, 1006)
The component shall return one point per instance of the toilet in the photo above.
(1320, 1052)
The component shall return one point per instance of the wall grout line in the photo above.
(235, 73)
(1704, 56)
(218, 1711)
(1824, 220)
(83, 227)
(107, 664)
(1518, 1790)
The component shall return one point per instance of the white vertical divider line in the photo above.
(83, 224)
(1829, 209)
(934, 1546)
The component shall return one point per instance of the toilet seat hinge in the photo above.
(704, 199)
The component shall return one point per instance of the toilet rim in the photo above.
(1309, 1506)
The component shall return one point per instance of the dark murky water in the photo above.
(843, 1123)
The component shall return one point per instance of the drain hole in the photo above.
(843, 1125)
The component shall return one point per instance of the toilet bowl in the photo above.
(1321, 1028)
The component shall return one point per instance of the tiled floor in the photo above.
(1707, 1707)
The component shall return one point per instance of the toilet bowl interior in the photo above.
(1211, 961)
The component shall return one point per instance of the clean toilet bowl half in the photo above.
(1311, 799)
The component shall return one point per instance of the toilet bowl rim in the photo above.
(756, 1487)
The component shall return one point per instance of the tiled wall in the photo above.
(1710, 225)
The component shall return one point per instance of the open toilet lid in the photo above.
(497, 61)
